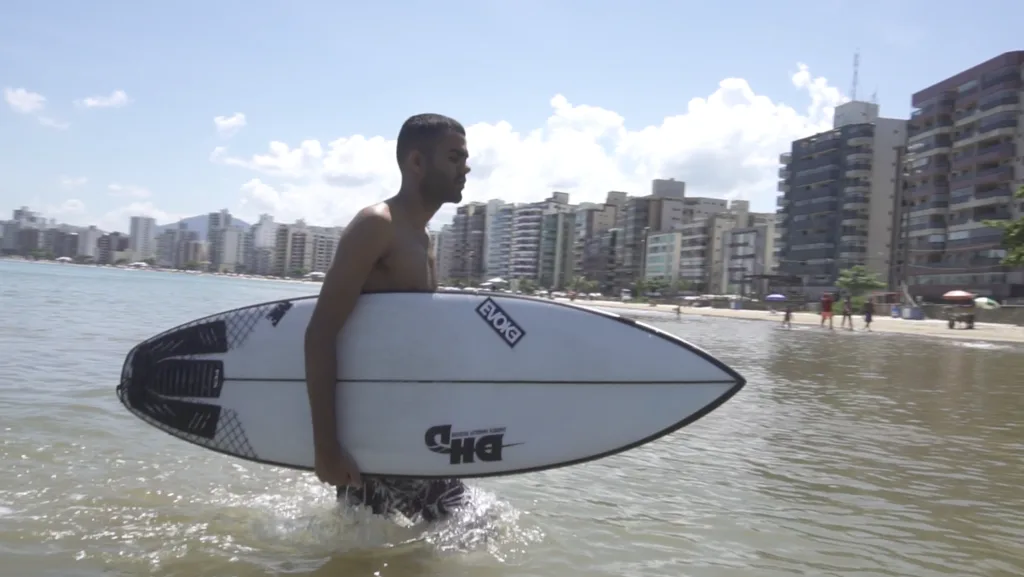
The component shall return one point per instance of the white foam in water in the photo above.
(486, 524)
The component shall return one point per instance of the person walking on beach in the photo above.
(385, 247)
(847, 313)
(787, 317)
(826, 310)
(869, 311)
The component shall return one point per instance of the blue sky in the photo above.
(315, 72)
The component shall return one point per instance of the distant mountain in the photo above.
(198, 224)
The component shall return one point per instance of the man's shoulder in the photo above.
(379, 213)
(375, 219)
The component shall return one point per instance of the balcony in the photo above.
(783, 186)
(995, 153)
(999, 122)
(993, 175)
(785, 158)
(982, 197)
(996, 100)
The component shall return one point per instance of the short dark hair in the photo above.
(421, 132)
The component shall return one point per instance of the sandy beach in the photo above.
(881, 324)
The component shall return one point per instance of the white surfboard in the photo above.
(430, 384)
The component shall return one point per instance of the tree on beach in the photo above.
(857, 280)
(1013, 235)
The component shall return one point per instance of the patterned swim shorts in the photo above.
(429, 499)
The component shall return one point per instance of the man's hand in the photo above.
(336, 467)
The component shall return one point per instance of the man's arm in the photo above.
(362, 244)
(432, 262)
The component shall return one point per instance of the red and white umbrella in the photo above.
(958, 295)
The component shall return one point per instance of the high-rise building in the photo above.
(839, 206)
(555, 264)
(498, 239)
(748, 252)
(262, 237)
(592, 221)
(527, 223)
(962, 164)
(468, 227)
(142, 235)
(661, 211)
(714, 253)
(445, 254)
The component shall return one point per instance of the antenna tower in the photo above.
(856, 70)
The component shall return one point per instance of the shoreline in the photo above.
(165, 270)
(991, 332)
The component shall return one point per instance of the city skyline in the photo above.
(166, 130)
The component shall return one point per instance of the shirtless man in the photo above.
(385, 248)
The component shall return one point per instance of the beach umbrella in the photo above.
(986, 303)
(958, 295)
(774, 298)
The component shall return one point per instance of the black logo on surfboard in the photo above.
(498, 319)
(278, 312)
(467, 446)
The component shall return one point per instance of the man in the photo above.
(826, 310)
(847, 312)
(385, 247)
(869, 312)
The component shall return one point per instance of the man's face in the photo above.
(445, 172)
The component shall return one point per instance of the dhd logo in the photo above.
(467, 446)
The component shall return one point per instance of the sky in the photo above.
(113, 109)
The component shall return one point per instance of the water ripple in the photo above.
(845, 455)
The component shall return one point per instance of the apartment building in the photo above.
(498, 238)
(662, 210)
(748, 251)
(838, 204)
(963, 163)
(555, 263)
(142, 234)
(527, 224)
(592, 221)
(172, 246)
(714, 253)
(663, 250)
(445, 244)
(258, 249)
(113, 247)
(300, 249)
(469, 257)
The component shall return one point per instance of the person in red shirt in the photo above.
(826, 310)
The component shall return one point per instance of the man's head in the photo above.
(432, 155)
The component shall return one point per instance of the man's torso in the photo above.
(407, 265)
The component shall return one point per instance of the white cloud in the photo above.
(24, 101)
(71, 207)
(72, 181)
(228, 126)
(128, 191)
(119, 218)
(725, 145)
(115, 99)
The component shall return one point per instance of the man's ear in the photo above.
(417, 162)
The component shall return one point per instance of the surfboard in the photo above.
(430, 385)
